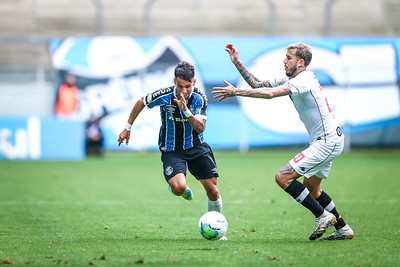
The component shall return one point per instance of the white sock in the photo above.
(170, 189)
(215, 205)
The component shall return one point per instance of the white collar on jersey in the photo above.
(297, 74)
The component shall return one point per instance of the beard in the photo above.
(291, 71)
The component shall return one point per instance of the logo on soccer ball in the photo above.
(213, 225)
(169, 170)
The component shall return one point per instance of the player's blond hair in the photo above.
(303, 51)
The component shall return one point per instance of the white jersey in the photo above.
(312, 106)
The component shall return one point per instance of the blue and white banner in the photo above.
(41, 138)
(359, 75)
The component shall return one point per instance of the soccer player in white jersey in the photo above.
(325, 135)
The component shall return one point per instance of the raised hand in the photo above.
(181, 102)
(233, 53)
(224, 92)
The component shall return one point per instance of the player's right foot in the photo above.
(188, 195)
(341, 234)
(322, 223)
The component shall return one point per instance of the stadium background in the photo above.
(41, 40)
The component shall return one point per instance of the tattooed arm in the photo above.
(198, 124)
(264, 92)
(252, 80)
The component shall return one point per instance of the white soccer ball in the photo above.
(213, 225)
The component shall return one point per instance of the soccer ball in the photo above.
(213, 225)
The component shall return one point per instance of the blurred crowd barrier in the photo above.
(359, 75)
(41, 138)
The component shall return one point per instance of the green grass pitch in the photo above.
(117, 211)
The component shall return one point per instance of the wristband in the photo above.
(128, 127)
(187, 113)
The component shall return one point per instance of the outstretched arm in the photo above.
(126, 133)
(252, 80)
(264, 92)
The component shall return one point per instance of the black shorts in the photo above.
(200, 162)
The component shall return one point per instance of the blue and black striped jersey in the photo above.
(176, 133)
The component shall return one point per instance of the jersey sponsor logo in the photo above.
(169, 170)
(161, 92)
(298, 157)
(177, 119)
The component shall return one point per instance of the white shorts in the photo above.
(317, 158)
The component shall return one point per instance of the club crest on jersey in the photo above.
(169, 170)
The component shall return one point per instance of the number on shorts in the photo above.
(298, 157)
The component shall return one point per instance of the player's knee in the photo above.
(178, 189)
(281, 180)
(278, 178)
(212, 193)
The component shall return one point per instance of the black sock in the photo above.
(327, 203)
(301, 194)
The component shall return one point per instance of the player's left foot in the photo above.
(341, 234)
(188, 195)
(322, 223)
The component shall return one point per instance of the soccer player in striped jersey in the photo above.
(181, 142)
(325, 135)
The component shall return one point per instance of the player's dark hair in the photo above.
(303, 51)
(185, 71)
